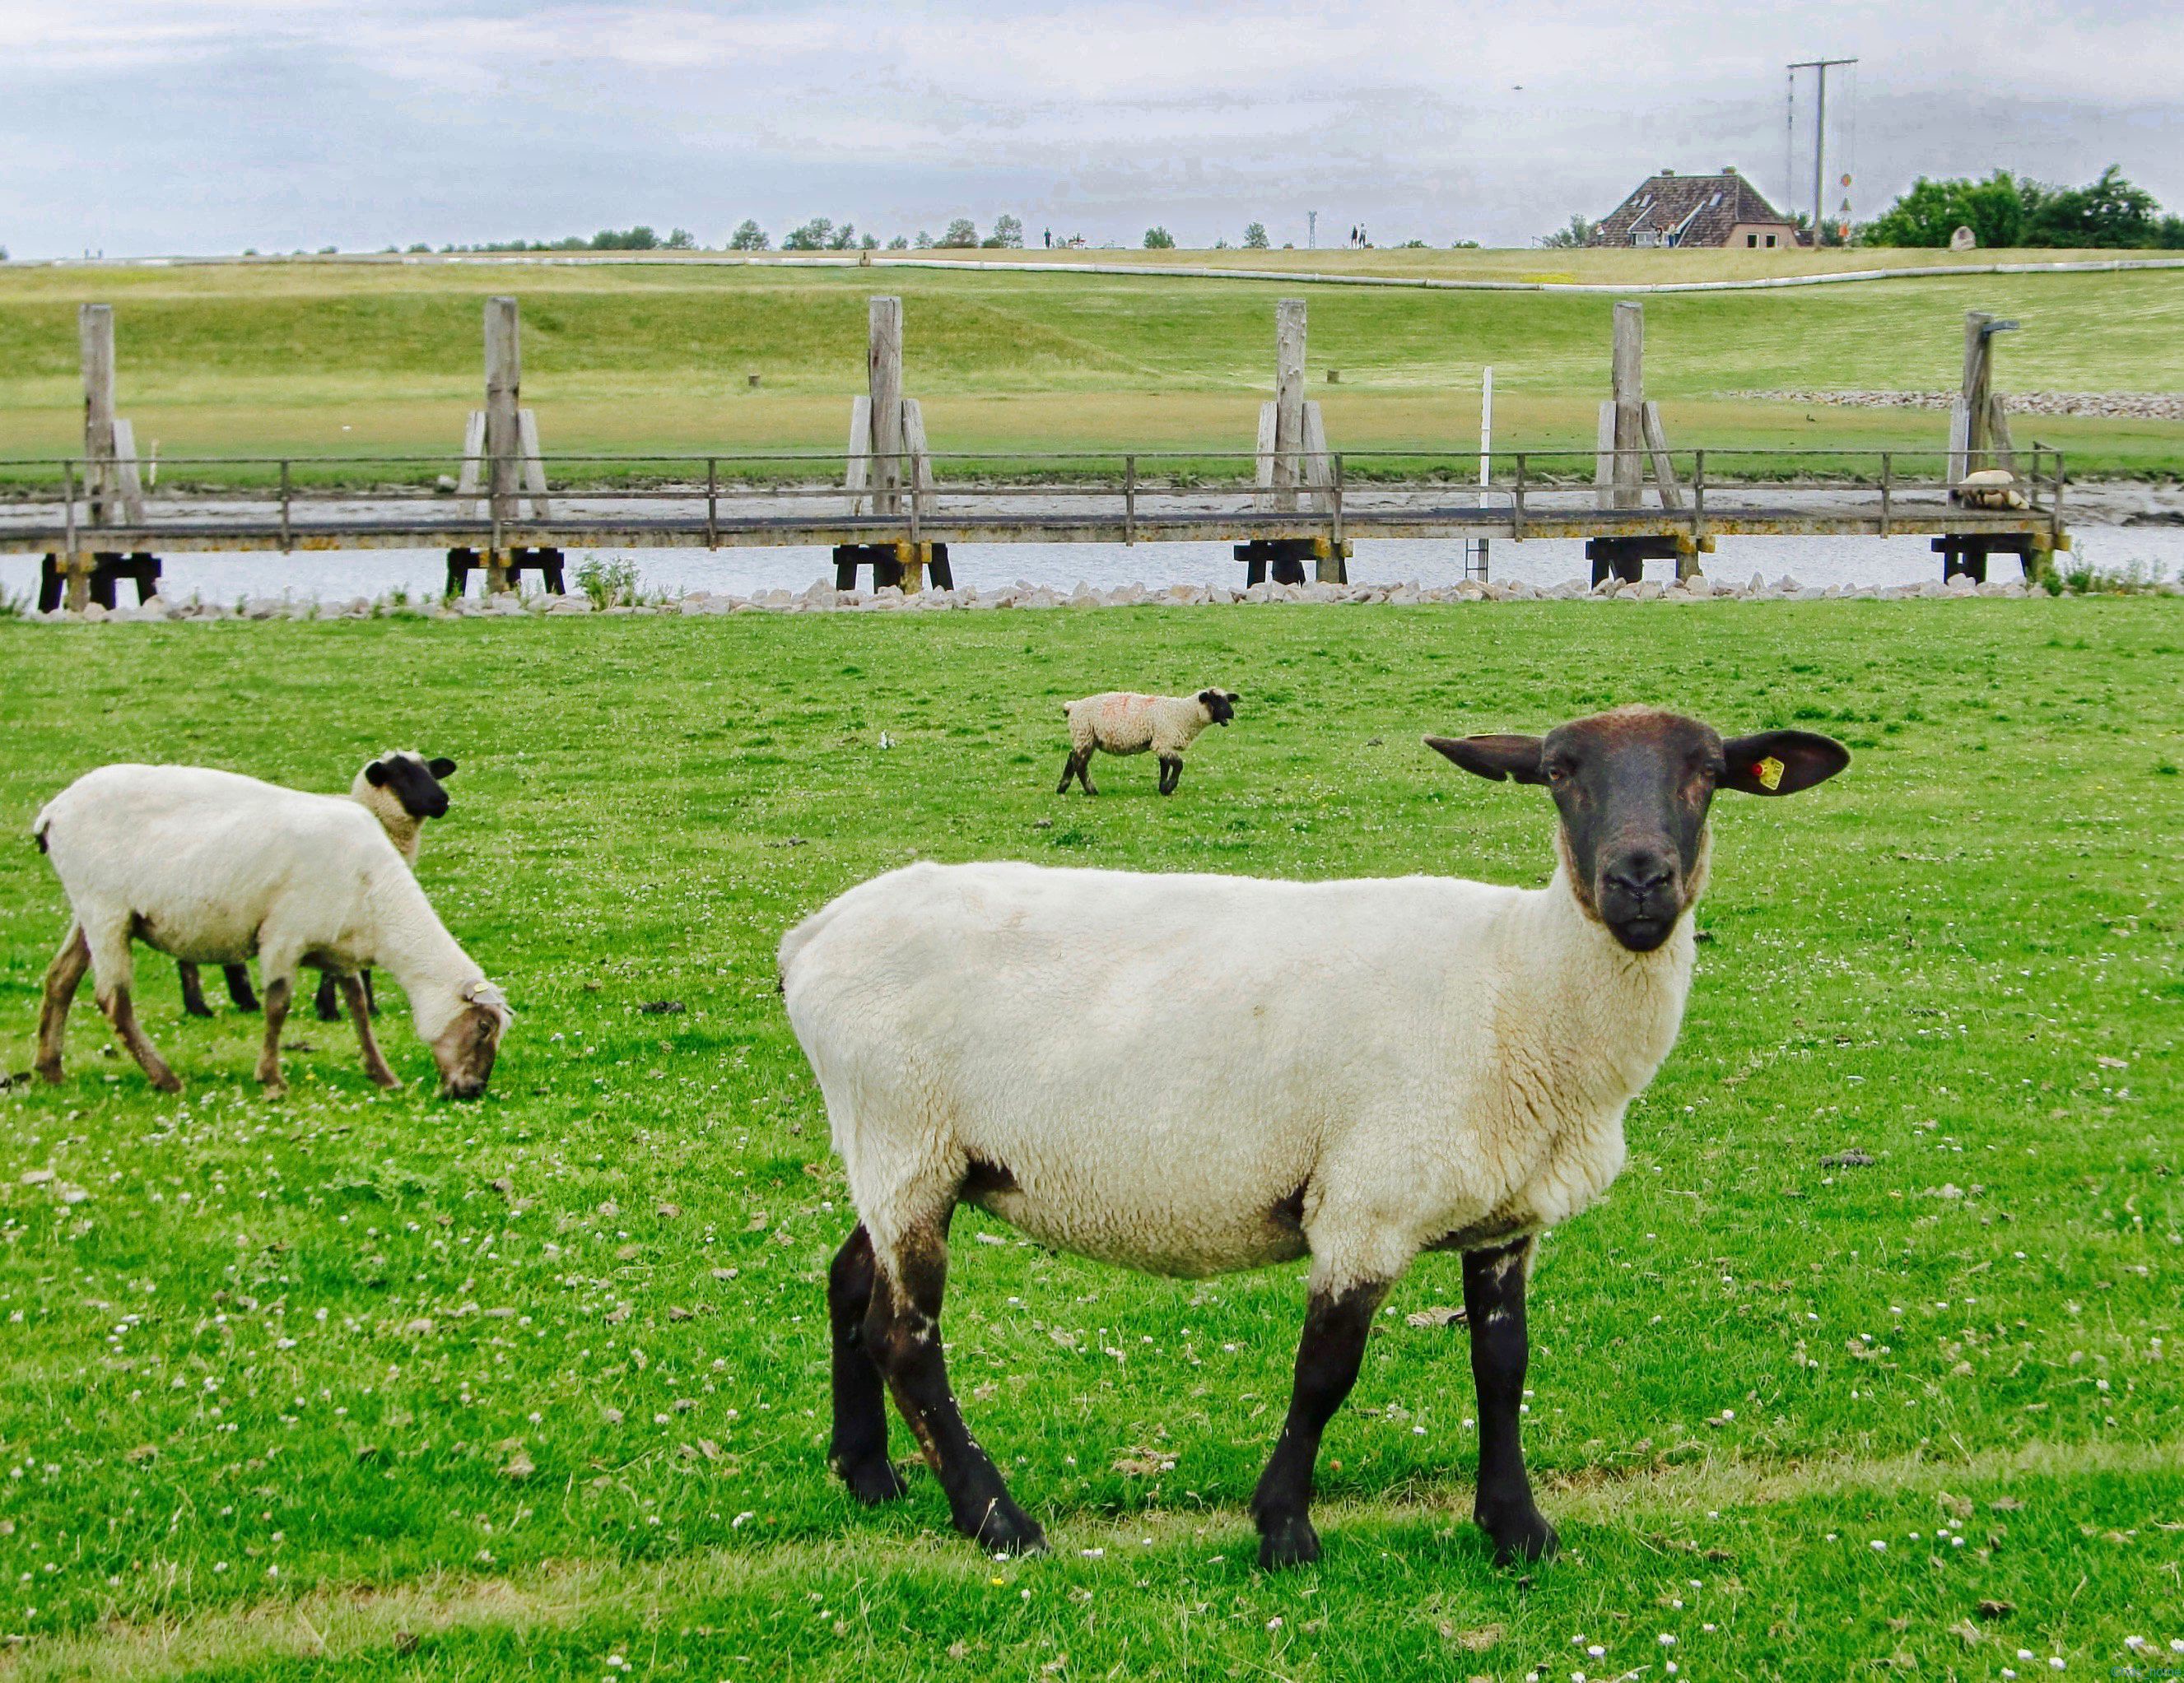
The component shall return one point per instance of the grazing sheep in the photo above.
(211, 867)
(1189, 1075)
(402, 789)
(1120, 722)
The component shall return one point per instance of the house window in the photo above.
(1753, 240)
(1770, 239)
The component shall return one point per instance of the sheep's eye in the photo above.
(1558, 773)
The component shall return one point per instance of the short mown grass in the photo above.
(319, 360)
(271, 1378)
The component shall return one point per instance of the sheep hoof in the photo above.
(1287, 1542)
(274, 1089)
(48, 1073)
(167, 1082)
(1007, 1528)
(196, 1007)
(871, 1482)
(1518, 1535)
(386, 1080)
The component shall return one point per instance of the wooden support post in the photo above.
(1657, 447)
(504, 441)
(857, 472)
(921, 485)
(95, 336)
(1630, 378)
(534, 464)
(2003, 451)
(883, 364)
(1288, 401)
(466, 483)
(1969, 455)
(1603, 461)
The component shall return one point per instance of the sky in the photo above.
(196, 126)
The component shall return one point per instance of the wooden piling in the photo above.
(1628, 474)
(1289, 402)
(95, 334)
(883, 364)
(503, 440)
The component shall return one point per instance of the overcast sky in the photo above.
(209, 125)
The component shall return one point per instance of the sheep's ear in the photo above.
(1232, 696)
(1780, 762)
(376, 774)
(441, 767)
(1497, 758)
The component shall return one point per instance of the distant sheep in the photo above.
(400, 788)
(211, 867)
(1120, 722)
(1192, 1075)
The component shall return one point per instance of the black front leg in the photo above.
(1494, 1306)
(326, 1001)
(193, 999)
(1171, 773)
(1335, 1327)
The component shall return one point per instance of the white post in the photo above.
(1486, 433)
(94, 333)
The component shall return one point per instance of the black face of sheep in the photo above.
(1220, 704)
(415, 782)
(1633, 788)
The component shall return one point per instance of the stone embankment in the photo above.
(2109, 405)
(823, 597)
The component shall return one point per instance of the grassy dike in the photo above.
(327, 359)
(274, 1379)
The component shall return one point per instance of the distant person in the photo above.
(1047, 236)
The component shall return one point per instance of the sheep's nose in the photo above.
(1639, 874)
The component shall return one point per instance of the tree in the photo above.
(2006, 210)
(640, 238)
(1159, 239)
(1007, 235)
(961, 234)
(870, 242)
(812, 236)
(749, 237)
(681, 240)
(899, 244)
(1255, 236)
(924, 241)
(1579, 233)
(846, 237)
(1932, 211)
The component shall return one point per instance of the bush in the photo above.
(1579, 233)
(1007, 235)
(899, 244)
(681, 240)
(1159, 239)
(749, 237)
(962, 233)
(813, 236)
(640, 238)
(1255, 236)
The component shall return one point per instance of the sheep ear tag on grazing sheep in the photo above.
(1780, 762)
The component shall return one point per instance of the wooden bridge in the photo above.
(887, 502)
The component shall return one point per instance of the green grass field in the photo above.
(268, 1380)
(326, 359)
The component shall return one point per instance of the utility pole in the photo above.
(1311, 229)
(1820, 67)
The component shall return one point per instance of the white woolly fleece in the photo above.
(1120, 722)
(1160, 1063)
(214, 867)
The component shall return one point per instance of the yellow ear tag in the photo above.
(1769, 771)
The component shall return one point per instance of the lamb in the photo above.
(1189, 1075)
(1992, 488)
(1120, 722)
(210, 867)
(402, 789)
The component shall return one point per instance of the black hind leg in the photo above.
(237, 977)
(326, 1003)
(193, 999)
(859, 1452)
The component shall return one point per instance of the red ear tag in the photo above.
(1769, 771)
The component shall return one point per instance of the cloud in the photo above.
(222, 122)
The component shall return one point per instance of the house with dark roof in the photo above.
(1723, 211)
